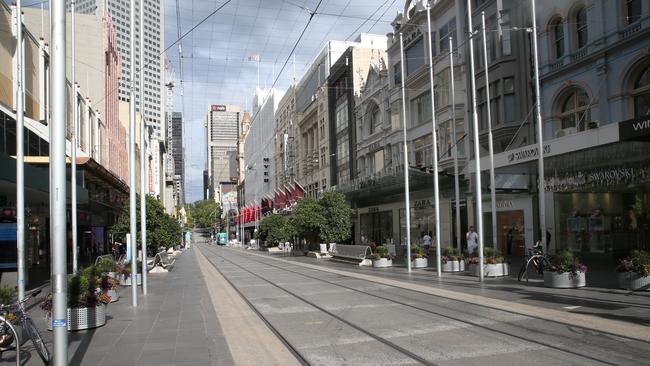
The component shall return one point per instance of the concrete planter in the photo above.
(382, 263)
(84, 318)
(111, 293)
(453, 266)
(564, 279)
(420, 263)
(490, 270)
(109, 274)
(125, 280)
(633, 281)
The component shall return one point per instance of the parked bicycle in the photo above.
(535, 258)
(15, 324)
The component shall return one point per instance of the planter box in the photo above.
(382, 263)
(125, 280)
(111, 293)
(420, 263)
(453, 266)
(110, 274)
(633, 281)
(490, 270)
(84, 318)
(564, 280)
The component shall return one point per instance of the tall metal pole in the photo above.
(434, 137)
(73, 149)
(143, 159)
(132, 198)
(540, 136)
(58, 182)
(493, 194)
(407, 196)
(20, 153)
(455, 147)
(477, 150)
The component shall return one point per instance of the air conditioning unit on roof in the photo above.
(565, 132)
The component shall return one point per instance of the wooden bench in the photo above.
(356, 253)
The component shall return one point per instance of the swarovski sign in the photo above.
(526, 154)
(606, 177)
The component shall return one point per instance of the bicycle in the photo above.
(10, 339)
(536, 258)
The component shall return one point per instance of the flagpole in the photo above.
(20, 154)
(455, 147)
(143, 158)
(493, 195)
(132, 185)
(477, 150)
(434, 137)
(407, 197)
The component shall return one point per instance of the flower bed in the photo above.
(634, 271)
(494, 264)
(381, 258)
(418, 257)
(565, 271)
(452, 260)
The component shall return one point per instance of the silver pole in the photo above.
(132, 198)
(455, 147)
(407, 196)
(73, 149)
(540, 136)
(477, 150)
(493, 194)
(434, 137)
(143, 159)
(20, 154)
(58, 182)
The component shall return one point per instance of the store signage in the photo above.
(504, 204)
(604, 177)
(218, 108)
(373, 209)
(420, 204)
(528, 153)
(374, 146)
(634, 129)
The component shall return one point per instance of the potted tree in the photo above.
(634, 271)
(494, 264)
(452, 260)
(565, 271)
(418, 257)
(86, 307)
(381, 258)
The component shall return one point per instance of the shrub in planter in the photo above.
(106, 266)
(381, 257)
(418, 257)
(125, 273)
(86, 307)
(565, 271)
(452, 260)
(634, 271)
(494, 264)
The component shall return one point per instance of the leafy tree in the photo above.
(162, 229)
(206, 213)
(337, 213)
(275, 229)
(308, 220)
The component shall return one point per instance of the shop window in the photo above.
(575, 110)
(633, 10)
(642, 94)
(581, 27)
(376, 227)
(556, 28)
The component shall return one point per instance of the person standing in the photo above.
(426, 241)
(472, 240)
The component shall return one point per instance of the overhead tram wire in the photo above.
(367, 19)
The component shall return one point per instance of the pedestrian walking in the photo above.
(426, 240)
(472, 240)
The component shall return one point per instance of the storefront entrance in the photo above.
(510, 231)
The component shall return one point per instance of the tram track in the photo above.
(471, 323)
(293, 349)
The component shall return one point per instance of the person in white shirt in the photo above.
(472, 240)
(426, 241)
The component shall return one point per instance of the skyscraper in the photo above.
(177, 152)
(222, 123)
(153, 46)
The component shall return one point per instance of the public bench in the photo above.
(357, 253)
(163, 262)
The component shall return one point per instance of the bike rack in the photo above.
(13, 330)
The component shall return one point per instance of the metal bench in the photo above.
(163, 261)
(351, 252)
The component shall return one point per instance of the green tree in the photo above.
(206, 213)
(337, 213)
(308, 220)
(162, 229)
(275, 229)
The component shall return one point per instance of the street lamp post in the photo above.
(143, 168)
(132, 198)
(20, 153)
(407, 197)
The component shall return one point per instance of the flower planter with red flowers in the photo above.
(634, 271)
(565, 271)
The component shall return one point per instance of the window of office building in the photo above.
(420, 109)
(447, 30)
(397, 73)
(509, 107)
(423, 151)
(575, 110)
(506, 40)
(342, 116)
(414, 55)
(557, 30)
(642, 94)
(581, 27)
(374, 119)
(633, 10)
(396, 115)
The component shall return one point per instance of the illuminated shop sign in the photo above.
(596, 178)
